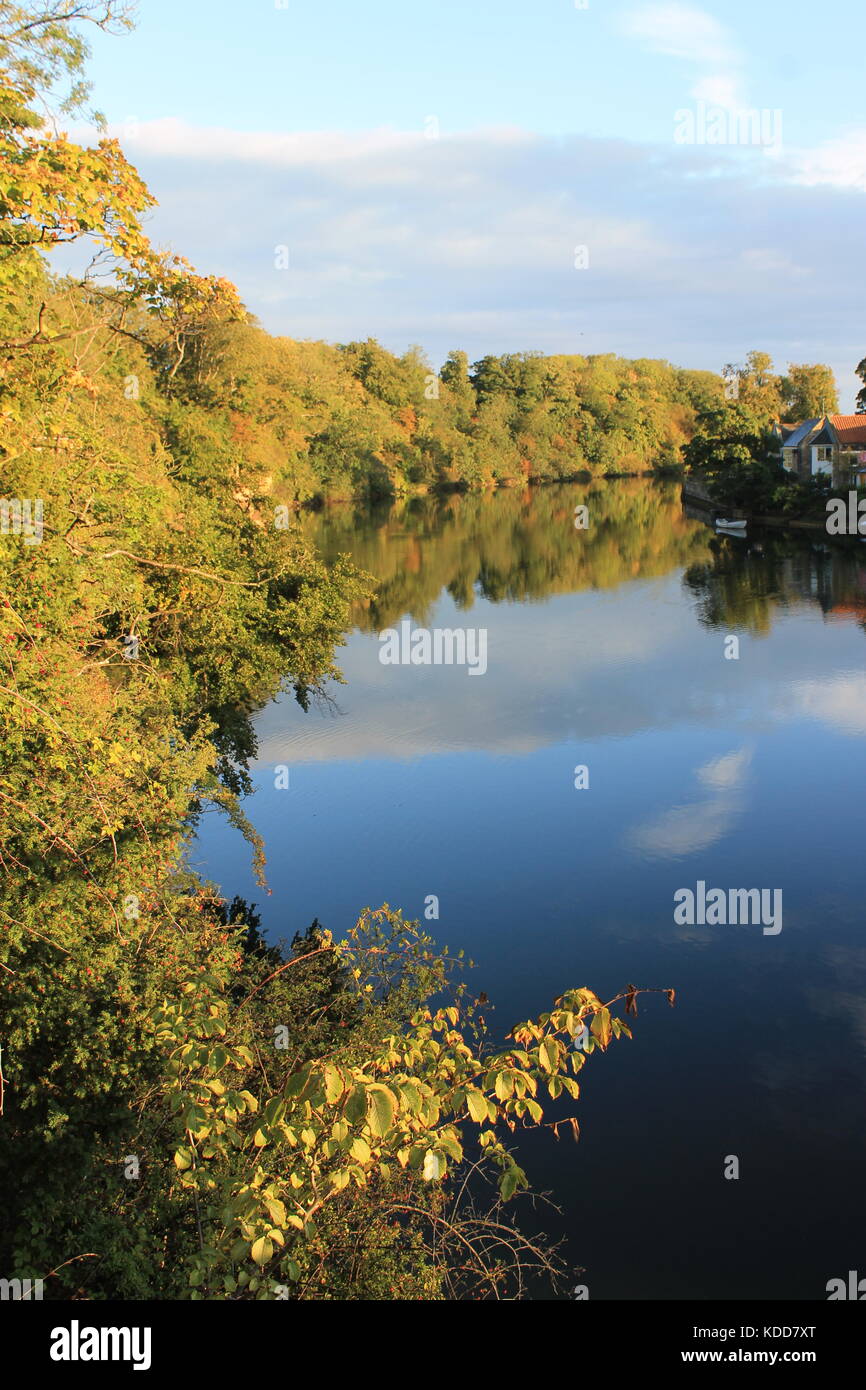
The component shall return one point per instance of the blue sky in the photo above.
(431, 169)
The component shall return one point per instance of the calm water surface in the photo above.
(606, 648)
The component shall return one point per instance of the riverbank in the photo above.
(696, 498)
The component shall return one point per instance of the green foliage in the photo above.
(805, 392)
(808, 392)
(738, 456)
(315, 421)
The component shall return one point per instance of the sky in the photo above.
(653, 179)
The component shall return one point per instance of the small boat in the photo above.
(730, 525)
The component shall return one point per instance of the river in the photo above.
(735, 765)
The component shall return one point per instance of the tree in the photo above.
(737, 454)
(808, 392)
(41, 48)
(755, 384)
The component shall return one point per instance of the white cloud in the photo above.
(697, 38)
(684, 830)
(682, 31)
(725, 773)
(720, 89)
(839, 702)
(839, 163)
(766, 260)
(172, 138)
(469, 241)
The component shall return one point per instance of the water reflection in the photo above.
(683, 830)
(606, 649)
(516, 545)
(587, 637)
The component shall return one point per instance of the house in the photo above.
(834, 444)
(849, 442)
(794, 442)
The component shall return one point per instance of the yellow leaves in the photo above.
(381, 1108)
(361, 1123)
(335, 1084)
(76, 378)
(526, 1033)
(121, 757)
(410, 1096)
(476, 1102)
(549, 1053)
(262, 1250)
(448, 1140)
(601, 1027)
(588, 998)
(503, 1085)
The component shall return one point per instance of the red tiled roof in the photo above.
(851, 429)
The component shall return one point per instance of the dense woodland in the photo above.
(315, 421)
(188, 1112)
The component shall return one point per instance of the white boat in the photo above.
(730, 525)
